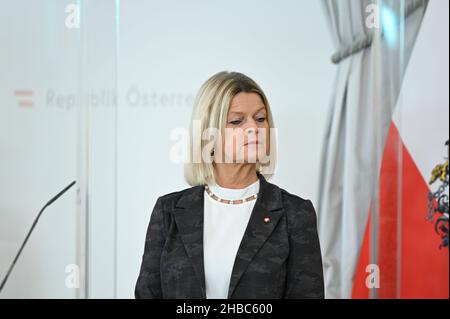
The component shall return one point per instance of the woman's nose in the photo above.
(252, 127)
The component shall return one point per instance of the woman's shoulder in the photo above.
(295, 204)
(300, 213)
(290, 197)
(286, 196)
(170, 199)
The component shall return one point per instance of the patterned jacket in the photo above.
(279, 256)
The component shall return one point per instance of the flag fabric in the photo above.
(372, 64)
(412, 228)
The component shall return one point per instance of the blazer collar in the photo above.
(189, 214)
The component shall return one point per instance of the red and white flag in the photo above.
(412, 259)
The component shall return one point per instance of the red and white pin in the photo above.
(266, 219)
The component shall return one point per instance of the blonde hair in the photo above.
(211, 109)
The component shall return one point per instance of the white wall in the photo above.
(156, 54)
(38, 147)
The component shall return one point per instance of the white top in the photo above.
(224, 227)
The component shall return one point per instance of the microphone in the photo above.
(31, 229)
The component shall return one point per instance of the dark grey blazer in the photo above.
(276, 259)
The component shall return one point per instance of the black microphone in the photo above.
(31, 229)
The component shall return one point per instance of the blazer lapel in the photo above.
(188, 215)
(268, 205)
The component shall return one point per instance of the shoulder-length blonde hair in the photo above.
(210, 110)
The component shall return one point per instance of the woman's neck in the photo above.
(235, 175)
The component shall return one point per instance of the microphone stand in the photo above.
(31, 230)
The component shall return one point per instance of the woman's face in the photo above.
(246, 135)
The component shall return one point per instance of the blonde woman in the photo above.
(232, 234)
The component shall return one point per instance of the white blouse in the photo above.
(224, 227)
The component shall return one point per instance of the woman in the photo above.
(232, 234)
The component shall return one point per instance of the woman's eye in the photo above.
(235, 122)
(261, 119)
